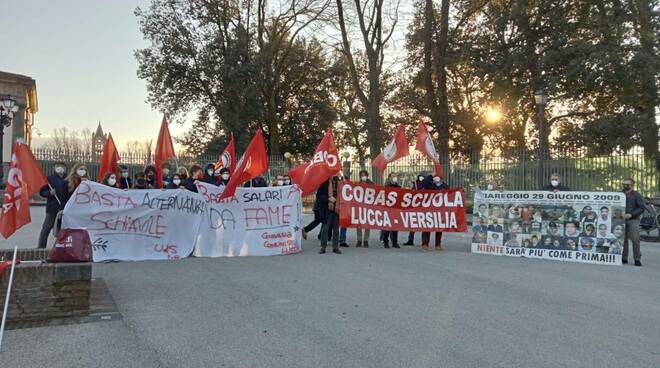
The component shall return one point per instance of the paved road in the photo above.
(365, 308)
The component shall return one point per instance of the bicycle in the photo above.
(649, 221)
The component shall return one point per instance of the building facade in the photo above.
(23, 89)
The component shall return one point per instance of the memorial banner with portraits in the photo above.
(586, 227)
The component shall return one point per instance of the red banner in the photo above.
(396, 209)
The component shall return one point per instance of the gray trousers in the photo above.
(362, 234)
(331, 224)
(49, 222)
(632, 234)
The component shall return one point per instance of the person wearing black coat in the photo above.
(555, 184)
(195, 175)
(150, 176)
(388, 235)
(56, 194)
(433, 182)
(320, 203)
(331, 216)
(224, 177)
(125, 181)
(209, 175)
(416, 186)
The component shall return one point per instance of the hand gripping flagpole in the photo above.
(4, 313)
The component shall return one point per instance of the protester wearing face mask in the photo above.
(415, 186)
(363, 234)
(287, 180)
(555, 184)
(391, 236)
(176, 183)
(183, 173)
(342, 230)
(224, 176)
(279, 181)
(110, 179)
(167, 174)
(434, 182)
(141, 181)
(150, 176)
(331, 224)
(125, 181)
(196, 174)
(634, 208)
(209, 174)
(76, 176)
(56, 193)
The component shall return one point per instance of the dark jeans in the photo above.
(632, 234)
(331, 224)
(426, 238)
(391, 235)
(411, 237)
(46, 228)
(312, 225)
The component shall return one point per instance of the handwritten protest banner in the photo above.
(388, 208)
(254, 222)
(135, 224)
(583, 227)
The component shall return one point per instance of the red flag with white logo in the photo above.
(23, 180)
(396, 149)
(228, 157)
(425, 145)
(325, 163)
(253, 163)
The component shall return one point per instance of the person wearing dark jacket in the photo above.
(434, 182)
(125, 181)
(150, 176)
(320, 203)
(331, 223)
(110, 179)
(176, 183)
(209, 175)
(555, 184)
(56, 194)
(416, 186)
(141, 181)
(224, 176)
(634, 209)
(363, 234)
(258, 182)
(388, 235)
(196, 174)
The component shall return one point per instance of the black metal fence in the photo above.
(514, 172)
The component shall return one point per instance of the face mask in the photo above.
(112, 181)
(420, 178)
(490, 187)
(554, 182)
(124, 174)
(225, 176)
(209, 172)
(280, 183)
(141, 182)
(166, 171)
(81, 172)
(59, 170)
(626, 187)
(199, 175)
(287, 182)
(364, 178)
(394, 179)
(176, 181)
(436, 180)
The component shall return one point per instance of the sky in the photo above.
(80, 52)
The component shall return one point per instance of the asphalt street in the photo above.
(365, 308)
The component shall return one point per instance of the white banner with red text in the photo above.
(587, 227)
(134, 225)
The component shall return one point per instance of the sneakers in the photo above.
(304, 234)
(358, 245)
(336, 251)
(408, 244)
(322, 251)
(365, 244)
(425, 248)
(395, 246)
(438, 248)
(343, 245)
(638, 263)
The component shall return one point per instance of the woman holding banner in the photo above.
(363, 234)
(434, 182)
(393, 236)
(331, 223)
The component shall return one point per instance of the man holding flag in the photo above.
(56, 193)
(253, 163)
(164, 150)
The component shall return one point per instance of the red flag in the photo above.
(397, 148)
(425, 145)
(228, 157)
(253, 163)
(23, 180)
(164, 150)
(320, 168)
(110, 160)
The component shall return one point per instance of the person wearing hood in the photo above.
(150, 176)
(196, 174)
(56, 194)
(433, 182)
(209, 175)
(125, 181)
(391, 236)
(417, 185)
(167, 173)
(224, 176)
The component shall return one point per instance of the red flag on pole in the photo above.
(164, 150)
(110, 160)
(23, 180)
(228, 157)
(396, 149)
(425, 145)
(253, 163)
(320, 168)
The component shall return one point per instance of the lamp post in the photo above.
(287, 158)
(347, 165)
(7, 109)
(541, 99)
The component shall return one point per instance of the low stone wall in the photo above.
(47, 290)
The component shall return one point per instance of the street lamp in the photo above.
(541, 99)
(347, 165)
(7, 109)
(287, 158)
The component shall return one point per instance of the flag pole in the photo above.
(4, 313)
(56, 197)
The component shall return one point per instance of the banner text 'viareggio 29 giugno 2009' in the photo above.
(396, 209)
(586, 227)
